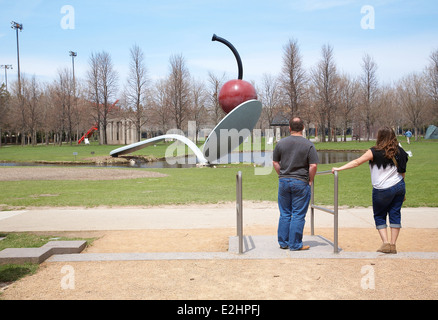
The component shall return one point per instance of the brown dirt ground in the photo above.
(235, 279)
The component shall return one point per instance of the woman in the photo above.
(387, 162)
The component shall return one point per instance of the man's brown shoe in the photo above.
(305, 248)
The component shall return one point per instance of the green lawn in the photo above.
(67, 152)
(208, 185)
(421, 179)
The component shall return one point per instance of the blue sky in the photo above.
(404, 34)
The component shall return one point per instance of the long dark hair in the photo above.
(387, 141)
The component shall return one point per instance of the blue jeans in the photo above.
(293, 202)
(388, 202)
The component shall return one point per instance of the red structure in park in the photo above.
(95, 127)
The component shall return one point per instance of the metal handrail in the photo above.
(239, 210)
(334, 212)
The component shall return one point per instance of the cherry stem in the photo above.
(236, 54)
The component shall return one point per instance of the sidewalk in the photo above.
(190, 217)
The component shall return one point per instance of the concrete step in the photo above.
(38, 255)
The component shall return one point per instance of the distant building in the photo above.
(280, 124)
(121, 131)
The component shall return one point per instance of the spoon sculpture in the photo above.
(238, 99)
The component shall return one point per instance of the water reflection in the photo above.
(328, 157)
(325, 157)
(261, 158)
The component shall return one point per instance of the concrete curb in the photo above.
(93, 257)
(255, 247)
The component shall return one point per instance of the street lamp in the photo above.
(73, 55)
(18, 26)
(6, 67)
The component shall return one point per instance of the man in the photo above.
(408, 135)
(295, 161)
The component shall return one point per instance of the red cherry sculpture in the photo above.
(235, 92)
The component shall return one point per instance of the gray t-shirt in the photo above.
(295, 154)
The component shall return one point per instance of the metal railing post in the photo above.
(239, 210)
(334, 212)
(312, 210)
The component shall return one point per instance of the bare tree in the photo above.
(93, 80)
(47, 114)
(51, 123)
(413, 99)
(160, 112)
(109, 79)
(102, 79)
(388, 108)
(4, 109)
(198, 110)
(136, 89)
(179, 89)
(18, 115)
(324, 79)
(348, 92)
(270, 97)
(293, 78)
(65, 102)
(32, 96)
(432, 84)
(215, 85)
(370, 89)
(81, 117)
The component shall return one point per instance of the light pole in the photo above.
(73, 55)
(6, 67)
(18, 26)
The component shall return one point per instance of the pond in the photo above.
(325, 157)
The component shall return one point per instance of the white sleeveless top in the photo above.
(384, 173)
